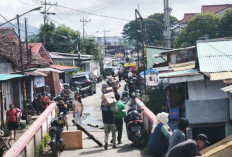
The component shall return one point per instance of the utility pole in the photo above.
(26, 40)
(46, 13)
(79, 50)
(140, 18)
(22, 72)
(84, 22)
(167, 29)
(105, 39)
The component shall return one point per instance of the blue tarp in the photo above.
(4, 77)
(148, 71)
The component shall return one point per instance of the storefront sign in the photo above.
(39, 81)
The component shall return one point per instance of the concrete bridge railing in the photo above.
(147, 115)
(25, 146)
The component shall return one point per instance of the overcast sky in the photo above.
(116, 8)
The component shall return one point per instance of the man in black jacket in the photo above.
(109, 123)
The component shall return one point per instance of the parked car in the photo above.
(113, 71)
(84, 80)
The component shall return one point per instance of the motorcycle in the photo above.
(55, 132)
(135, 127)
(125, 95)
(135, 94)
(30, 109)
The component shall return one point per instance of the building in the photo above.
(10, 77)
(194, 87)
(215, 9)
(87, 62)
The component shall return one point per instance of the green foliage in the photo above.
(64, 39)
(155, 99)
(154, 25)
(42, 146)
(225, 26)
(201, 25)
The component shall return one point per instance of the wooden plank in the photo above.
(225, 140)
(217, 149)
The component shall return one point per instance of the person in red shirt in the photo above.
(44, 100)
(11, 117)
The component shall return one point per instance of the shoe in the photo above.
(111, 141)
(119, 142)
(114, 146)
(106, 146)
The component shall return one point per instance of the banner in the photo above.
(39, 81)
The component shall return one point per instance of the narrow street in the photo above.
(92, 115)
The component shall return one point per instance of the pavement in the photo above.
(93, 115)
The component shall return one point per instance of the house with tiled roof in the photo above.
(215, 9)
(39, 49)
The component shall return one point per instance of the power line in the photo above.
(26, 3)
(84, 12)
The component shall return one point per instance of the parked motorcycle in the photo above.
(30, 109)
(55, 132)
(135, 127)
(125, 95)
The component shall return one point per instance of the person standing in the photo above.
(78, 108)
(109, 123)
(11, 117)
(189, 148)
(129, 74)
(62, 107)
(178, 135)
(119, 117)
(158, 142)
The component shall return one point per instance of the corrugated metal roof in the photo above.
(176, 50)
(152, 52)
(4, 77)
(227, 89)
(64, 68)
(220, 76)
(179, 73)
(215, 55)
(183, 66)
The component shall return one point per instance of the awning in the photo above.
(179, 73)
(49, 70)
(4, 77)
(64, 68)
(37, 73)
(148, 71)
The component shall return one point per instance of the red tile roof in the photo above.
(215, 8)
(187, 18)
(35, 47)
(63, 67)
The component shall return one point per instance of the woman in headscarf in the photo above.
(160, 134)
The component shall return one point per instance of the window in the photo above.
(79, 79)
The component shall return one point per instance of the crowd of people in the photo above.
(174, 144)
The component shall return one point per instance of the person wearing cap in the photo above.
(189, 148)
(178, 135)
(161, 133)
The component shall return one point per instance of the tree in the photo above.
(154, 26)
(64, 39)
(201, 25)
(226, 24)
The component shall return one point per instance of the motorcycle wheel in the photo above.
(125, 99)
(54, 149)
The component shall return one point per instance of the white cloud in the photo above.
(121, 9)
